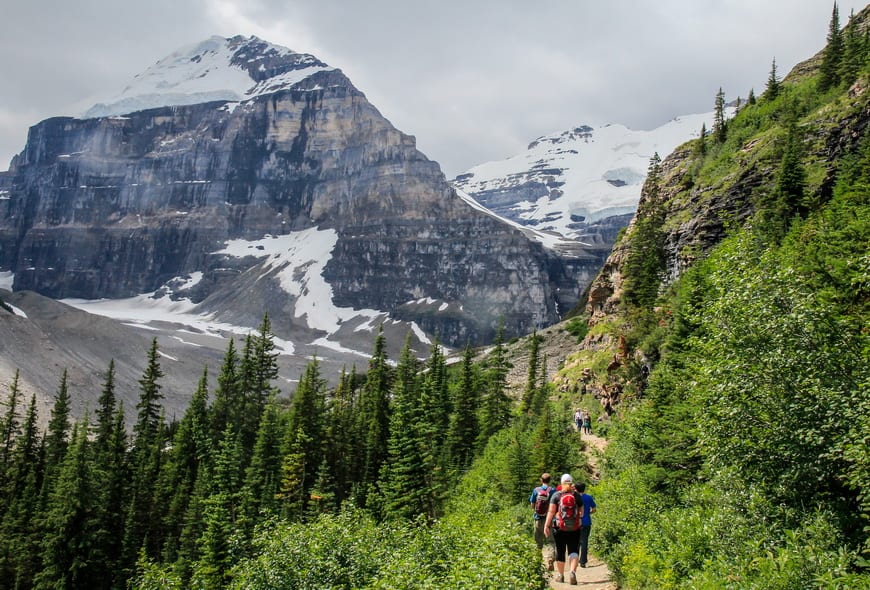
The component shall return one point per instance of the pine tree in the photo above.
(227, 398)
(69, 524)
(220, 515)
(190, 449)
(20, 530)
(832, 57)
(407, 474)
(495, 404)
(58, 429)
(9, 430)
(464, 427)
(645, 261)
(340, 443)
(106, 409)
(719, 127)
(307, 412)
(771, 91)
(750, 100)
(854, 52)
(263, 475)
(532, 374)
(148, 407)
(373, 418)
(702, 140)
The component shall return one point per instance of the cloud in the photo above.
(472, 80)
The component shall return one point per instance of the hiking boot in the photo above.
(560, 578)
(573, 581)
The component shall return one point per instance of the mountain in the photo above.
(236, 178)
(583, 183)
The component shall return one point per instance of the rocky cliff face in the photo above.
(181, 199)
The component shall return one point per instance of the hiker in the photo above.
(587, 422)
(563, 520)
(578, 420)
(540, 501)
(585, 522)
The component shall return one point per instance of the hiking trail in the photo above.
(596, 574)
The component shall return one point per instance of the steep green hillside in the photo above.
(734, 312)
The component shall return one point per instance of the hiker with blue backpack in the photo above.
(540, 501)
(563, 519)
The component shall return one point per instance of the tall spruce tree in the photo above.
(771, 90)
(495, 404)
(832, 56)
(532, 374)
(464, 426)
(228, 400)
(58, 429)
(106, 409)
(854, 51)
(719, 125)
(645, 261)
(9, 430)
(68, 532)
(373, 418)
(306, 428)
(407, 473)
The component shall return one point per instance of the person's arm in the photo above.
(549, 522)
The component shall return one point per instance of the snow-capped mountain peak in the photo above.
(566, 181)
(233, 70)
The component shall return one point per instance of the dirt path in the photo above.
(596, 575)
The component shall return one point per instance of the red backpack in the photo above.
(567, 515)
(542, 501)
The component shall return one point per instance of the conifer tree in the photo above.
(190, 449)
(719, 128)
(220, 516)
(294, 471)
(435, 393)
(58, 428)
(464, 426)
(750, 100)
(263, 475)
(20, 531)
(148, 407)
(410, 483)
(832, 57)
(644, 263)
(373, 418)
(532, 374)
(227, 399)
(9, 429)
(702, 140)
(106, 409)
(854, 52)
(495, 403)
(771, 90)
(307, 412)
(69, 525)
(341, 446)
(112, 477)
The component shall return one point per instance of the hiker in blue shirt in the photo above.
(585, 522)
(540, 501)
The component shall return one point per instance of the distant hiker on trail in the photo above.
(585, 522)
(563, 519)
(578, 419)
(587, 422)
(540, 501)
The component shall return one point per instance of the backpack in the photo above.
(567, 515)
(542, 501)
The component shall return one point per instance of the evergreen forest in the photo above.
(739, 441)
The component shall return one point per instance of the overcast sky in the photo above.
(473, 80)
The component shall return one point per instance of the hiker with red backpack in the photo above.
(563, 519)
(540, 501)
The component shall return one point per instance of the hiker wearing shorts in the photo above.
(563, 520)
